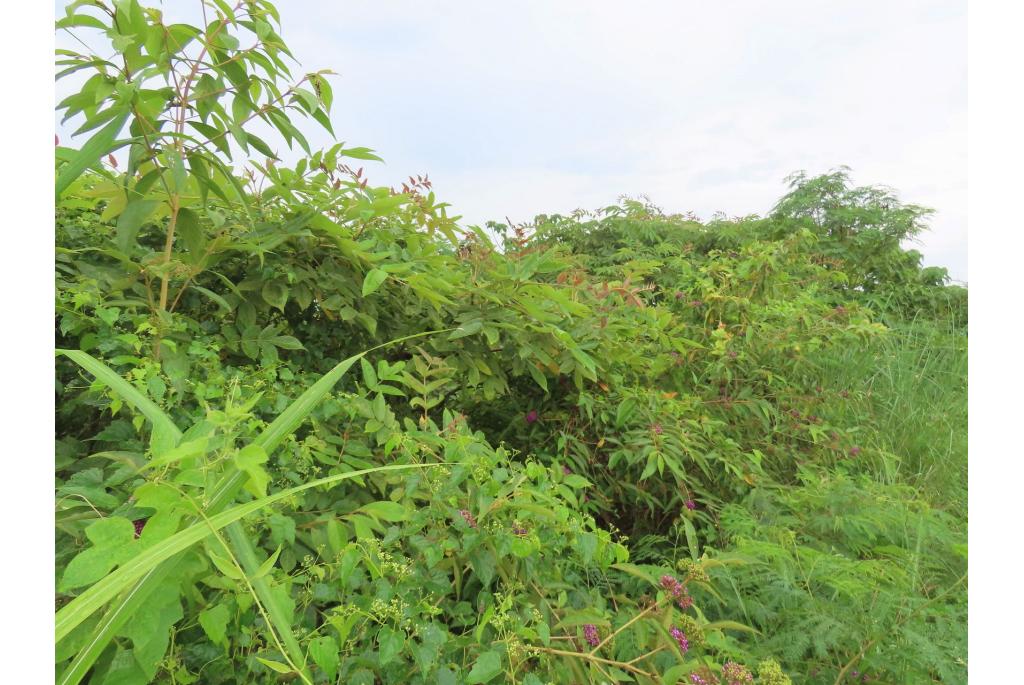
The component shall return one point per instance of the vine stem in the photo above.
(590, 657)
(624, 626)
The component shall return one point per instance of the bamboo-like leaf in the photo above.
(128, 603)
(165, 433)
(100, 144)
(245, 550)
(106, 589)
(730, 625)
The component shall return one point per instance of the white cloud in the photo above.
(529, 107)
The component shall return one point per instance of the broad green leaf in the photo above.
(388, 511)
(373, 280)
(214, 622)
(390, 643)
(249, 459)
(113, 541)
(131, 220)
(486, 668)
(102, 143)
(275, 293)
(324, 652)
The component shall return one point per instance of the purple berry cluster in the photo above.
(677, 590)
(590, 635)
(690, 504)
(139, 525)
(532, 416)
(680, 637)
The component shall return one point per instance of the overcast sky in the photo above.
(520, 108)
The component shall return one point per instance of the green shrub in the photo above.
(311, 429)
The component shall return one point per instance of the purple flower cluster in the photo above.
(735, 674)
(678, 590)
(531, 416)
(590, 635)
(854, 451)
(139, 525)
(690, 504)
(697, 680)
(467, 517)
(656, 427)
(680, 637)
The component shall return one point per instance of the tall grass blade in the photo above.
(165, 433)
(223, 494)
(100, 144)
(106, 589)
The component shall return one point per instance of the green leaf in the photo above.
(388, 511)
(360, 153)
(324, 652)
(150, 629)
(268, 565)
(249, 460)
(131, 220)
(275, 665)
(275, 293)
(730, 625)
(189, 229)
(624, 412)
(275, 599)
(390, 642)
(486, 667)
(484, 565)
(373, 280)
(112, 540)
(165, 434)
(215, 623)
(691, 539)
(102, 143)
(538, 377)
(186, 450)
(582, 617)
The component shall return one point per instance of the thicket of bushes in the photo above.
(310, 429)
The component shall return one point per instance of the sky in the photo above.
(517, 109)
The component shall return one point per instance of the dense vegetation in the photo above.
(313, 430)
